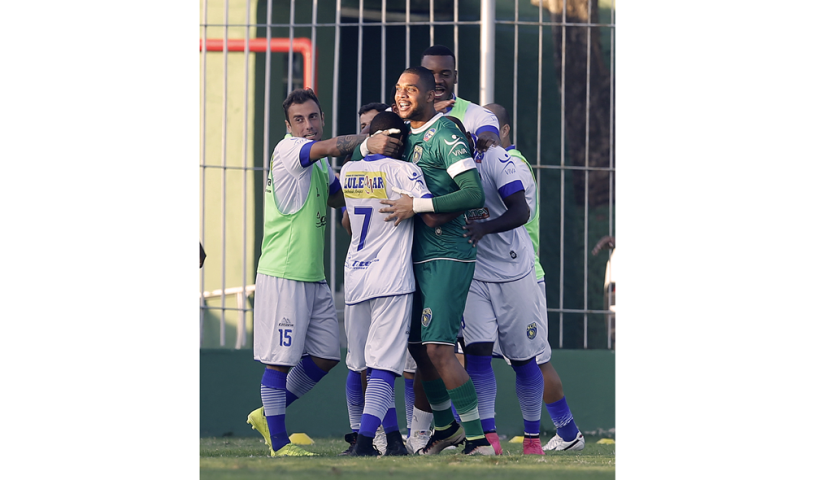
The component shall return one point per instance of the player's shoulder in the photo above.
(291, 143)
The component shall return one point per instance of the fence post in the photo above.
(488, 30)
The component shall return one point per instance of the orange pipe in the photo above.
(301, 45)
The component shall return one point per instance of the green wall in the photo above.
(230, 389)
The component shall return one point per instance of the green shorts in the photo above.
(440, 298)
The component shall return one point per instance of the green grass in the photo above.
(247, 458)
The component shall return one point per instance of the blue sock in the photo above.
(302, 378)
(482, 376)
(562, 419)
(409, 401)
(456, 415)
(355, 399)
(377, 400)
(390, 421)
(529, 386)
(272, 391)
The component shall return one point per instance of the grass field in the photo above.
(235, 458)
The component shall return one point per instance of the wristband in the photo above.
(422, 205)
(363, 148)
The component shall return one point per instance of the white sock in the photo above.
(421, 421)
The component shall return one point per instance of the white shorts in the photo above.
(544, 357)
(508, 312)
(292, 319)
(377, 333)
(410, 366)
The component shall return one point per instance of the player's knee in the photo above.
(519, 363)
(481, 349)
(439, 353)
(325, 364)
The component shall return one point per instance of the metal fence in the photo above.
(551, 65)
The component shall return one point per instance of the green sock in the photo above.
(441, 403)
(465, 400)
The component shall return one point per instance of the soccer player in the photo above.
(379, 283)
(440, 60)
(478, 121)
(295, 322)
(568, 436)
(503, 300)
(368, 111)
(443, 262)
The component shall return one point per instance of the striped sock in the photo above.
(562, 419)
(485, 384)
(440, 402)
(529, 387)
(272, 391)
(355, 399)
(409, 401)
(377, 401)
(465, 398)
(302, 378)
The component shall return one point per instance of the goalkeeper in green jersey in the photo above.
(443, 261)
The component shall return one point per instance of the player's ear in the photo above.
(455, 78)
(323, 119)
(288, 127)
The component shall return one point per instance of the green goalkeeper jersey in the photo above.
(442, 153)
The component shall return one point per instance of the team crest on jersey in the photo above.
(426, 317)
(365, 185)
(429, 134)
(417, 152)
(531, 331)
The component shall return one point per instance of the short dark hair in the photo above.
(440, 51)
(378, 107)
(299, 96)
(499, 111)
(387, 120)
(426, 78)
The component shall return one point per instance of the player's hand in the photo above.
(475, 231)
(400, 209)
(346, 223)
(441, 105)
(383, 145)
(486, 140)
(605, 242)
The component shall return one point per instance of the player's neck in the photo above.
(428, 115)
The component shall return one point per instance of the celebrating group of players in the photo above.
(444, 222)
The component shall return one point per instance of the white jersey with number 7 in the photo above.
(379, 259)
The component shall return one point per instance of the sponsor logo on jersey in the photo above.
(285, 322)
(417, 152)
(365, 185)
(478, 214)
(460, 151)
(426, 317)
(359, 265)
(531, 331)
(513, 254)
(429, 134)
(438, 231)
(321, 220)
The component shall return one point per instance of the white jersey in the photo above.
(503, 256)
(379, 259)
(475, 118)
(291, 172)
